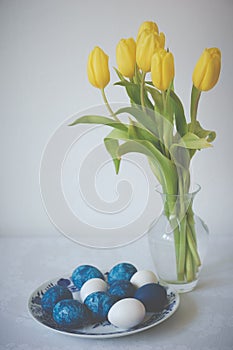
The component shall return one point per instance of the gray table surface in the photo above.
(204, 319)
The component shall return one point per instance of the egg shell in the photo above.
(142, 277)
(122, 289)
(91, 286)
(121, 271)
(85, 272)
(71, 313)
(126, 313)
(53, 295)
(99, 303)
(153, 296)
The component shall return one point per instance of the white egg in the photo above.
(142, 277)
(76, 295)
(92, 285)
(126, 313)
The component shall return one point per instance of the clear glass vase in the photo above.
(178, 241)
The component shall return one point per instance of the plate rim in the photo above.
(120, 333)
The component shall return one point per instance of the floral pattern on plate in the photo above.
(96, 330)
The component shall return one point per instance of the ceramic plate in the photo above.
(98, 330)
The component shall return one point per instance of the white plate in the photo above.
(98, 330)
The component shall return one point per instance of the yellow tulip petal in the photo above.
(148, 25)
(146, 47)
(161, 40)
(162, 69)
(97, 68)
(126, 57)
(207, 69)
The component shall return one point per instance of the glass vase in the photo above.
(178, 241)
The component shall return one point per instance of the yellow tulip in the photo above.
(148, 42)
(126, 57)
(207, 69)
(97, 68)
(148, 25)
(162, 69)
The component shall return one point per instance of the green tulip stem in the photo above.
(177, 245)
(189, 267)
(109, 107)
(184, 263)
(195, 97)
(192, 246)
(170, 212)
(166, 131)
(164, 102)
(142, 90)
(181, 218)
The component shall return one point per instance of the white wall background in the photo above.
(43, 52)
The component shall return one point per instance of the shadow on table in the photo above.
(181, 319)
(216, 274)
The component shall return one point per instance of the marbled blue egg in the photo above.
(122, 289)
(53, 295)
(99, 303)
(121, 271)
(71, 313)
(85, 272)
(153, 296)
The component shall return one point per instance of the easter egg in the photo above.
(91, 286)
(83, 273)
(153, 296)
(121, 271)
(53, 295)
(122, 289)
(70, 313)
(126, 313)
(99, 303)
(142, 277)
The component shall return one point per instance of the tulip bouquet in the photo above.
(157, 126)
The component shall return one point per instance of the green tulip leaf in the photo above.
(166, 172)
(156, 96)
(132, 130)
(145, 118)
(156, 170)
(192, 141)
(180, 156)
(178, 110)
(120, 76)
(133, 91)
(137, 132)
(118, 135)
(95, 119)
(202, 133)
(112, 146)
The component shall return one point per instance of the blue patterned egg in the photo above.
(153, 296)
(121, 271)
(99, 303)
(53, 295)
(122, 289)
(85, 272)
(71, 313)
